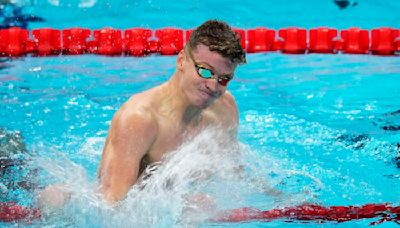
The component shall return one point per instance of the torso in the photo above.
(171, 133)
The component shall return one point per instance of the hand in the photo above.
(198, 208)
(53, 197)
(201, 202)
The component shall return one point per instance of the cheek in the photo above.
(190, 82)
(193, 79)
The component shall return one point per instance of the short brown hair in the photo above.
(218, 36)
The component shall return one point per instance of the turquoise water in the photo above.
(188, 14)
(301, 116)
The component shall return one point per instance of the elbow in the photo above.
(110, 199)
(110, 196)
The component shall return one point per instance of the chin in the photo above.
(200, 103)
(206, 103)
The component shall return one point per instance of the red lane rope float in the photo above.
(11, 212)
(73, 42)
(322, 40)
(169, 41)
(262, 40)
(136, 41)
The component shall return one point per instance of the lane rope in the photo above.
(15, 42)
(316, 213)
(12, 212)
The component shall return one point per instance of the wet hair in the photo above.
(219, 37)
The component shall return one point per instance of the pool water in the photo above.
(309, 115)
(320, 128)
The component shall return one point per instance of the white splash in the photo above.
(54, 2)
(204, 175)
(87, 3)
(81, 4)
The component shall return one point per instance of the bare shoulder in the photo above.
(136, 113)
(230, 102)
(141, 104)
(227, 110)
(227, 104)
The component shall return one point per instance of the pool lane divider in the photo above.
(314, 213)
(15, 42)
(12, 213)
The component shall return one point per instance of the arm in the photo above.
(130, 137)
(268, 189)
(231, 111)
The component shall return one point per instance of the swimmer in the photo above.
(154, 122)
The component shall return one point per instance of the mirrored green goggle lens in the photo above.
(208, 74)
(205, 73)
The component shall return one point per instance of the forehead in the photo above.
(214, 60)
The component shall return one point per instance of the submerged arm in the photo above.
(267, 188)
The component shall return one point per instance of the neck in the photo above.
(177, 103)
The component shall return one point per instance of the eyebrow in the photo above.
(207, 65)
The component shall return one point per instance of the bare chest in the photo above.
(172, 134)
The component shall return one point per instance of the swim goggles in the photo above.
(207, 73)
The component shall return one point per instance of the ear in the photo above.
(180, 60)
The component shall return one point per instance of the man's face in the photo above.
(206, 74)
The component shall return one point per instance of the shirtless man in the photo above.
(156, 121)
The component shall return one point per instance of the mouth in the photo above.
(207, 95)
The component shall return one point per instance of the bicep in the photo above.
(128, 141)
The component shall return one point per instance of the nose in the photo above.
(212, 85)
